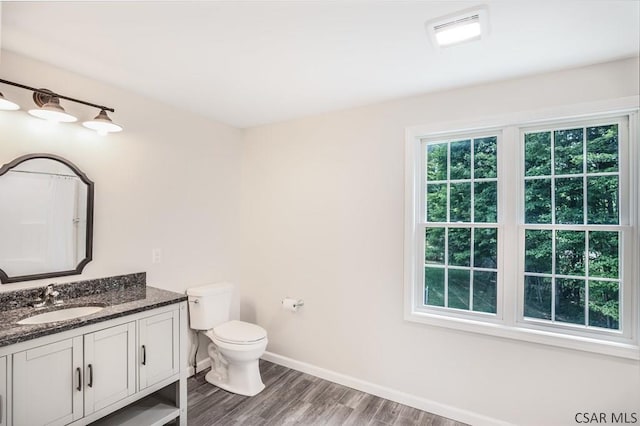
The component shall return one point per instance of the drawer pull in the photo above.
(90, 384)
(144, 355)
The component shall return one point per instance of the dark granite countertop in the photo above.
(119, 302)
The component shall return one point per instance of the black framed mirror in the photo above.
(46, 218)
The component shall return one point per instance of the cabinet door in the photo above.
(47, 384)
(158, 346)
(109, 366)
(3, 391)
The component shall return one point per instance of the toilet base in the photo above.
(235, 367)
(249, 389)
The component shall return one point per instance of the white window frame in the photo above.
(420, 243)
(624, 227)
(509, 322)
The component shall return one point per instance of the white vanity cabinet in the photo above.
(47, 384)
(74, 377)
(159, 348)
(109, 366)
(3, 391)
(98, 373)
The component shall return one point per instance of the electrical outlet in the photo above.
(156, 255)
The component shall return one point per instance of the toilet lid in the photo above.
(239, 332)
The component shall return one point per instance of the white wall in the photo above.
(171, 180)
(323, 220)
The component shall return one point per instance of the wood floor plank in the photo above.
(317, 412)
(365, 410)
(410, 413)
(290, 395)
(352, 397)
(252, 406)
(315, 392)
(388, 412)
(214, 409)
(334, 392)
(294, 415)
(295, 398)
(406, 421)
(340, 415)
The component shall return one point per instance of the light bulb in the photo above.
(7, 105)
(102, 124)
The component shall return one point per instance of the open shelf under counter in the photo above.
(152, 410)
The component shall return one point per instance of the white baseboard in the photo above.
(202, 364)
(423, 404)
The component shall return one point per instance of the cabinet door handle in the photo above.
(79, 388)
(144, 355)
(90, 383)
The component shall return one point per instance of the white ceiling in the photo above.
(250, 63)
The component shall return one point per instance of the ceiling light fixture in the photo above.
(459, 27)
(49, 108)
(466, 29)
(7, 105)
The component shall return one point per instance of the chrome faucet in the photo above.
(48, 298)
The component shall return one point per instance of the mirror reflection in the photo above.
(46, 209)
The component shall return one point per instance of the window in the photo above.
(572, 226)
(461, 237)
(527, 231)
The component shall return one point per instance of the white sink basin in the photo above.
(61, 315)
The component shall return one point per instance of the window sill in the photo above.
(567, 341)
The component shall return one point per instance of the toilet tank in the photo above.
(209, 305)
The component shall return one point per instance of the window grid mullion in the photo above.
(473, 219)
(434, 182)
(585, 221)
(472, 183)
(586, 278)
(446, 257)
(471, 260)
(571, 227)
(552, 138)
(553, 177)
(448, 182)
(446, 267)
(459, 224)
(568, 277)
(424, 153)
(567, 175)
(584, 176)
(553, 275)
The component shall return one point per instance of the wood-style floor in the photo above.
(295, 398)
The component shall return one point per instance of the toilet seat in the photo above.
(239, 333)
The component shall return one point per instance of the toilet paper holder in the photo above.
(294, 303)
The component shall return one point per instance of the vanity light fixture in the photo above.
(49, 108)
(460, 27)
(102, 124)
(7, 105)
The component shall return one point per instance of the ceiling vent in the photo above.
(459, 27)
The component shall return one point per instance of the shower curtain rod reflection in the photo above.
(42, 173)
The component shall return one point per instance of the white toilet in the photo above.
(235, 346)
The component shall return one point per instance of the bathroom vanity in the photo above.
(123, 365)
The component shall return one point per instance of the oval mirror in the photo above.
(46, 218)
